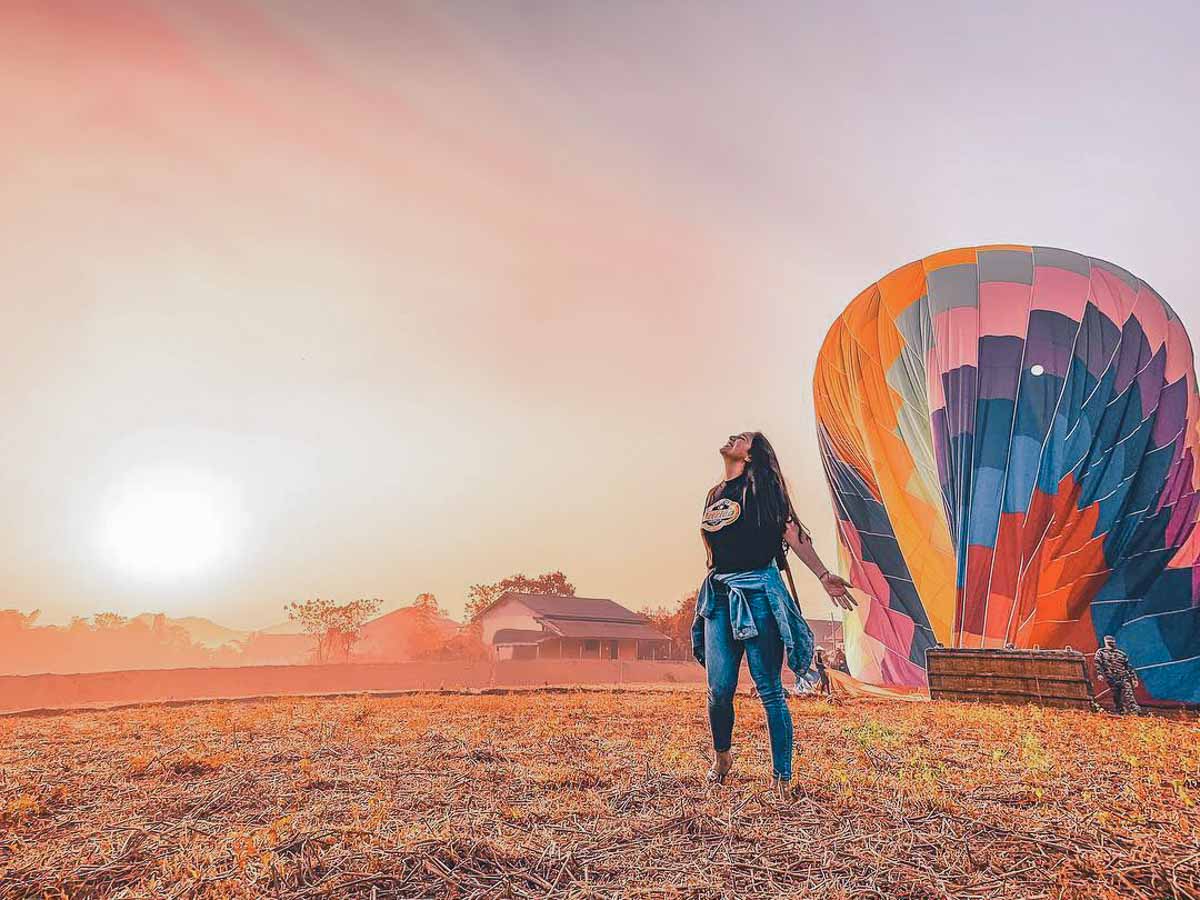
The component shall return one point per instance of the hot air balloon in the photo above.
(1010, 436)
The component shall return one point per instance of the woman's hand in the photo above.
(838, 590)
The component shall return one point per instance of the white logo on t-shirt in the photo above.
(721, 513)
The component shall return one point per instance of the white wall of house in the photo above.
(508, 613)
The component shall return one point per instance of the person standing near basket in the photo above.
(822, 674)
(1112, 664)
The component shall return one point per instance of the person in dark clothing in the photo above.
(838, 661)
(743, 608)
(1112, 664)
(819, 665)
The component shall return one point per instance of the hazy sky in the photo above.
(374, 298)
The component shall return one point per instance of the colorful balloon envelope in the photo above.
(1010, 436)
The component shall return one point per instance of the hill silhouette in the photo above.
(200, 630)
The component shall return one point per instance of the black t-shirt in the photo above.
(736, 539)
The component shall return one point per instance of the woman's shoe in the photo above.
(720, 769)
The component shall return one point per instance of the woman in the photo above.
(743, 607)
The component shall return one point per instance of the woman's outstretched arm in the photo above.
(835, 586)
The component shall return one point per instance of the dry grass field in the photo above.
(593, 794)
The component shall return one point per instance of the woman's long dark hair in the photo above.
(766, 485)
(772, 502)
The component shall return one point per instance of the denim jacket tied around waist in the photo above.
(797, 636)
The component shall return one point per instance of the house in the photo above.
(549, 626)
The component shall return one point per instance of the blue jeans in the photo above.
(764, 656)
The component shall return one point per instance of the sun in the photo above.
(168, 524)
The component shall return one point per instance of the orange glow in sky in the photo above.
(310, 298)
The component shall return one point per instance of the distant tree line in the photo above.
(105, 642)
(331, 633)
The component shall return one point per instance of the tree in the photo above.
(13, 620)
(315, 617)
(426, 635)
(109, 621)
(465, 644)
(169, 636)
(334, 627)
(427, 603)
(677, 625)
(481, 596)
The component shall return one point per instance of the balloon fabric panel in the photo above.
(1010, 436)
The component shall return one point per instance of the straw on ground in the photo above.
(593, 794)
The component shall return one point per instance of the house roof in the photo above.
(559, 607)
(577, 617)
(520, 636)
(578, 628)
